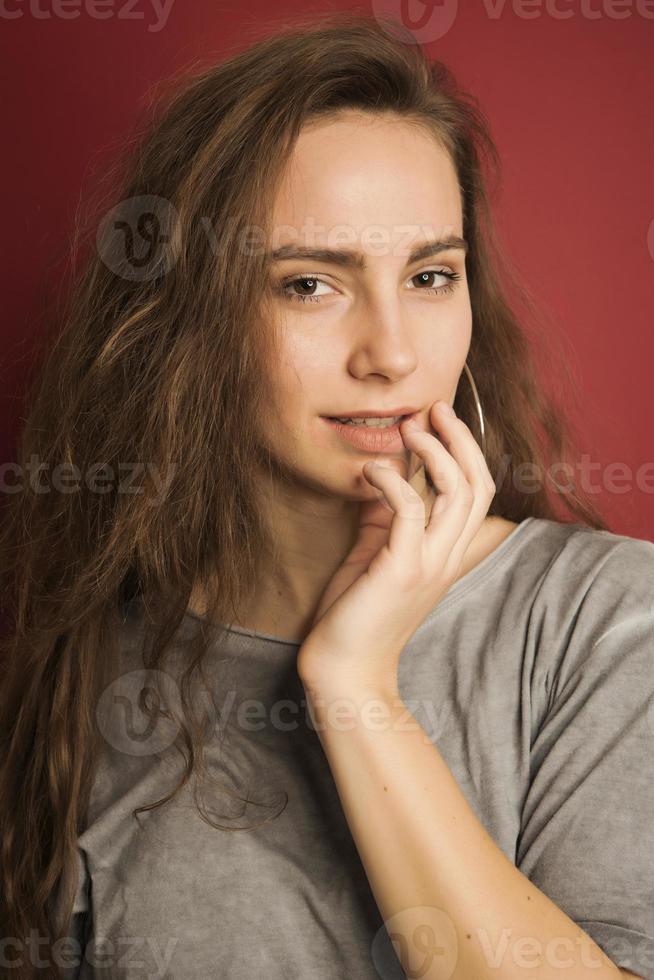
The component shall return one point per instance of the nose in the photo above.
(382, 341)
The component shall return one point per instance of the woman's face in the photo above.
(392, 334)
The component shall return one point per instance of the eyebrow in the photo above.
(350, 259)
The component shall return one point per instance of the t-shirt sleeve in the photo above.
(587, 823)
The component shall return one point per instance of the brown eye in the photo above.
(449, 286)
(306, 283)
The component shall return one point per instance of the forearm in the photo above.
(428, 857)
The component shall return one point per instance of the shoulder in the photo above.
(581, 558)
(595, 611)
(570, 586)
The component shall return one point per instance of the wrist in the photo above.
(329, 687)
(370, 709)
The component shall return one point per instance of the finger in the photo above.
(450, 511)
(463, 446)
(407, 528)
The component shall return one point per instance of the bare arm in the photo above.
(454, 905)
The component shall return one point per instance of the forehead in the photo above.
(357, 172)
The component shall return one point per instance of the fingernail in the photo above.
(446, 409)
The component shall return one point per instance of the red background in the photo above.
(568, 89)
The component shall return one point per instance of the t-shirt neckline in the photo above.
(459, 588)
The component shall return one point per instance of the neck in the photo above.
(313, 536)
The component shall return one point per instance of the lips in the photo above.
(369, 418)
(372, 439)
(373, 413)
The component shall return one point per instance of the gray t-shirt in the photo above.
(534, 675)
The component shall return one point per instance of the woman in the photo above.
(238, 537)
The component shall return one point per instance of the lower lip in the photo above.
(372, 440)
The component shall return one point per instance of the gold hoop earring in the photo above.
(480, 413)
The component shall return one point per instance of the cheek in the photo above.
(296, 399)
(302, 374)
(445, 338)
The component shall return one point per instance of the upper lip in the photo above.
(372, 413)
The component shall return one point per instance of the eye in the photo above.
(451, 280)
(310, 282)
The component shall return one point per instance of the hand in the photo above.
(398, 568)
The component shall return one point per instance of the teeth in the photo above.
(372, 423)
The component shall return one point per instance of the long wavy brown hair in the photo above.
(165, 363)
